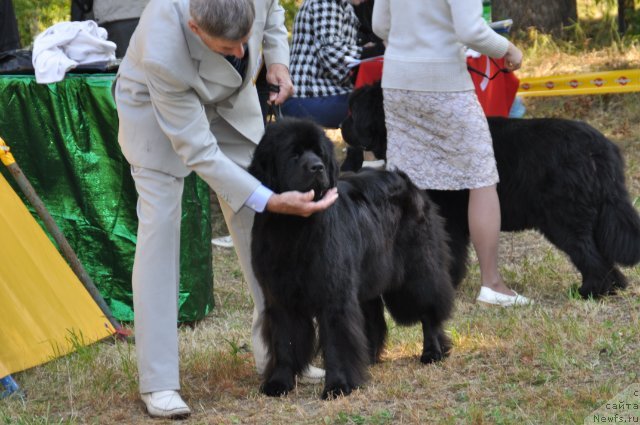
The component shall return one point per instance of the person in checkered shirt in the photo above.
(325, 42)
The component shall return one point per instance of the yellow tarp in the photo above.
(45, 311)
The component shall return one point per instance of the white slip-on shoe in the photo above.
(223, 241)
(165, 404)
(311, 375)
(377, 164)
(489, 296)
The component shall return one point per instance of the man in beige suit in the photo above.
(187, 102)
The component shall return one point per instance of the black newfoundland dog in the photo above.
(560, 177)
(381, 244)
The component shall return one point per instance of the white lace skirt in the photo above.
(440, 139)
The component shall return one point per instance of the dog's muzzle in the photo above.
(315, 172)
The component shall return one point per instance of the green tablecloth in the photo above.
(64, 137)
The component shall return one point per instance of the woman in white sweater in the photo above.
(437, 131)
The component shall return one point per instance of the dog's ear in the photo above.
(377, 125)
(331, 163)
(263, 165)
(365, 127)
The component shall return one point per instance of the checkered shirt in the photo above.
(324, 34)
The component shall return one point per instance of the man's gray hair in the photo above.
(227, 19)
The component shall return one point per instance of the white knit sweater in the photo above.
(425, 40)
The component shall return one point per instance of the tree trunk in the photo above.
(625, 11)
(547, 16)
(9, 36)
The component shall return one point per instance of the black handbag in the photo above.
(16, 62)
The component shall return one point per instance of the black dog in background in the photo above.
(560, 177)
(381, 240)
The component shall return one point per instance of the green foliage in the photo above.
(596, 28)
(602, 18)
(34, 16)
(290, 9)
(86, 353)
(235, 347)
(573, 293)
(127, 364)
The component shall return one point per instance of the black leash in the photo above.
(500, 70)
(274, 113)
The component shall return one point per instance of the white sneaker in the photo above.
(311, 375)
(378, 164)
(224, 241)
(489, 296)
(165, 404)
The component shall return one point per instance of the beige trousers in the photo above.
(156, 277)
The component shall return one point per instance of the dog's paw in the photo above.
(590, 292)
(275, 388)
(331, 392)
(619, 280)
(375, 357)
(445, 344)
(431, 356)
(618, 286)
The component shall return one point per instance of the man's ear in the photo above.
(194, 27)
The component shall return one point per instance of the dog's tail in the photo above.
(618, 232)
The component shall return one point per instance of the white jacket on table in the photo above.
(65, 45)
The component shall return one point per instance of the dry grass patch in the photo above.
(553, 362)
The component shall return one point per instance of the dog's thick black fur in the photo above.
(560, 177)
(381, 240)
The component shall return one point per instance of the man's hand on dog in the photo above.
(302, 204)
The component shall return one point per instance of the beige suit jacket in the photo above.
(184, 108)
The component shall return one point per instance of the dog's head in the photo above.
(295, 154)
(364, 128)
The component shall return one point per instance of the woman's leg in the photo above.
(484, 229)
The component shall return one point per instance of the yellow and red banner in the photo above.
(621, 81)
